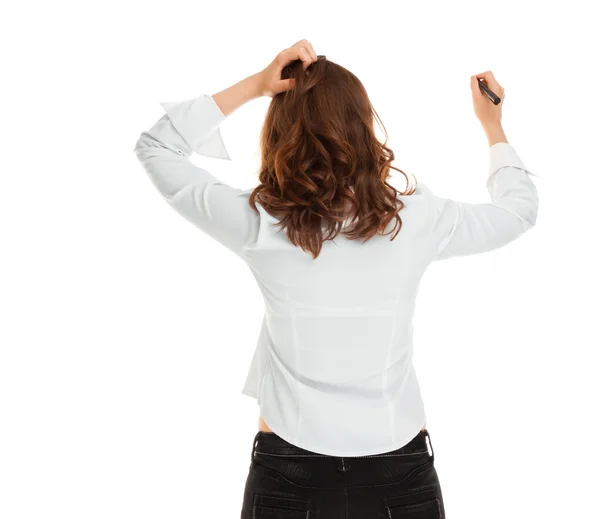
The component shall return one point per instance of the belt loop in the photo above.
(254, 445)
(430, 445)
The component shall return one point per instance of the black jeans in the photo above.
(285, 481)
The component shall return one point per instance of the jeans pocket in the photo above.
(277, 507)
(420, 503)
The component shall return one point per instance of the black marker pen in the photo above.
(493, 97)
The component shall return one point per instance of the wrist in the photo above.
(232, 98)
(255, 86)
(494, 133)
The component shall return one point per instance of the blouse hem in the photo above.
(366, 452)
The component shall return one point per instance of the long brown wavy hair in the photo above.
(321, 162)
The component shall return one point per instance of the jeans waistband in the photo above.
(271, 443)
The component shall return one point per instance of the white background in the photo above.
(126, 333)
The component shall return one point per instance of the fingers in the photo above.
(308, 46)
(284, 84)
(490, 81)
(301, 50)
(292, 54)
(305, 57)
(475, 90)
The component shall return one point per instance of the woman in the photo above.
(342, 429)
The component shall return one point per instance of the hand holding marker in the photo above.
(489, 116)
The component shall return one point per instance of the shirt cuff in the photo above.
(502, 155)
(197, 121)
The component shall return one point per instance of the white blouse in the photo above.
(332, 370)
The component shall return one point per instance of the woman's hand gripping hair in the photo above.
(269, 79)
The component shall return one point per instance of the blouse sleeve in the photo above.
(216, 208)
(462, 228)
